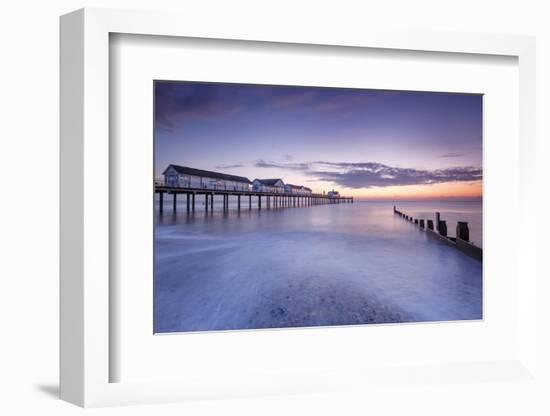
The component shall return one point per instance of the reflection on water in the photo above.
(321, 265)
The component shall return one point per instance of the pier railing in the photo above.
(439, 230)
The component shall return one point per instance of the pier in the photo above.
(248, 199)
(439, 231)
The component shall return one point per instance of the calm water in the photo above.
(322, 265)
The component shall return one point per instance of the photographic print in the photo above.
(297, 206)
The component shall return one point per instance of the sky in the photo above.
(370, 144)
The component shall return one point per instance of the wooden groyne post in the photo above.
(462, 231)
(430, 225)
(442, 228)
(461, 241)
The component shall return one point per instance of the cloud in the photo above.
(176, 103)
(234, 166)
(294, 97)
(322, 101)
(383, 176)
(446, 155)
(281, 165)
(372, 174)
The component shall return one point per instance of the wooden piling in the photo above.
(442, 228)
(161, 201)
(430, 225)
(462, 231)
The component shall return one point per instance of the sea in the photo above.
(323, 265)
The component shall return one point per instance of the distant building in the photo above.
(184, 177)
(333, 194)
(269, 185)
(297, 189)
(292, 189)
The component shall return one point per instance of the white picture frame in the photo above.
(85, 211)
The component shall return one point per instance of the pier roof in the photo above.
(184, 170)
(269, 182)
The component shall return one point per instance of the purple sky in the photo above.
(349, 139)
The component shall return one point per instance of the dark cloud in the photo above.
(372, 174)
(177, 102)
(383, 176)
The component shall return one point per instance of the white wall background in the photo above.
(29, 200)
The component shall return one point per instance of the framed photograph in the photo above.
(270, 212)
(300, 206)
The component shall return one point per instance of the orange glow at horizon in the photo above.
(452, 190)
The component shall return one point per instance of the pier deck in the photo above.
(272, 199)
